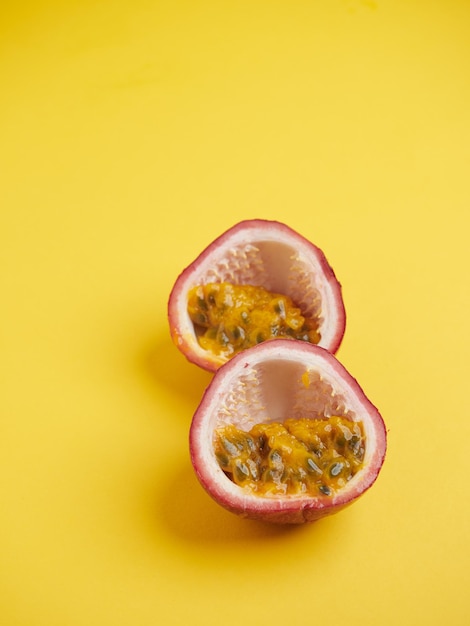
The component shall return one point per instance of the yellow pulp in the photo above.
(230, 318)
(299, 456)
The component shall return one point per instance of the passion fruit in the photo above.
(286, 435)
(259, 280)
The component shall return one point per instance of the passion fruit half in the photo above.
(259, 280)
(285, 434)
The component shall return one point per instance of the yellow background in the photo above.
(132, 134)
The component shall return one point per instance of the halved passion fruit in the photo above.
(260, 280)
(285, 434)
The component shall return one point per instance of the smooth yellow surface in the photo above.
(132, 134)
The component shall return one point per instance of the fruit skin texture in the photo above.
(267, 383)
(269, 254)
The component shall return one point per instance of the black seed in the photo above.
(202, 304)
(223, 461)
(270, 476)
(251, 444)
(259, 338)
(238, 333)
(201, 318)
(313, 466)
(275, 457)
(242, 470)
(355, 445)
(325, 490)
(223, 338)
(336, 469)
(280, 308)
(211, 299)
(230, 447)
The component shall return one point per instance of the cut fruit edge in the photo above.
(267, 253)
(275, 364)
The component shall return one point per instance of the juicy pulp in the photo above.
(229, 318)
(299, 456)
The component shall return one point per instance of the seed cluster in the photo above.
(230, 318)
(298, 456)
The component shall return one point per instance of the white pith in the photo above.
(269, 385)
